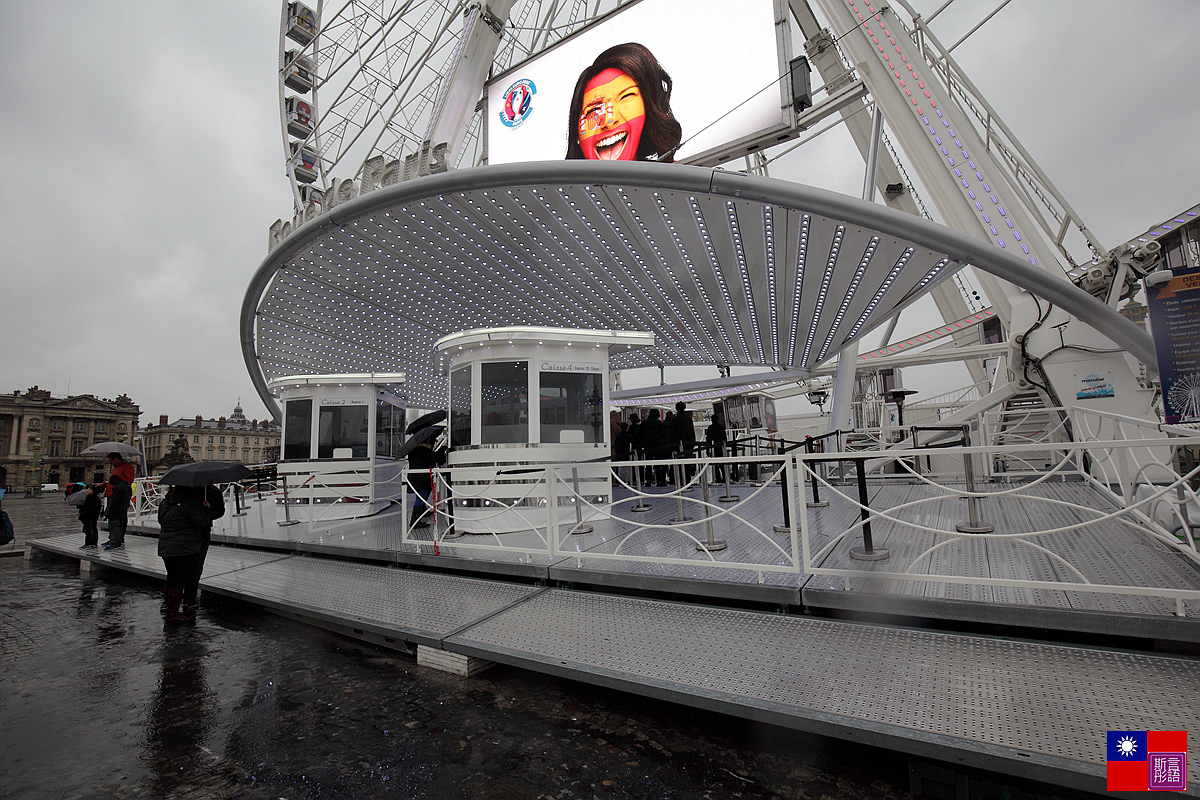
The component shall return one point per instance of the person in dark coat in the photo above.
(183, 522)
(623, 448)
(715, 436)
(422, 460)
(652, 440)
(214, 504)
(683, 436)
(117, 512)
(89, 515)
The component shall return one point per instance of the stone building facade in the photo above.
(233, 438)
(36, 426)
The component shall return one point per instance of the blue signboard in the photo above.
(1175, 324)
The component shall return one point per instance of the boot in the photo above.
(174, 596)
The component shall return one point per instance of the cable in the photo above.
(672, 151)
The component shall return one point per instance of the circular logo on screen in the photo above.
(518, 103)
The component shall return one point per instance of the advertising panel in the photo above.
(720, 60)
(1174, 311)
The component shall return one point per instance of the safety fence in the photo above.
(851, 506)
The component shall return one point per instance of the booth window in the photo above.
(460, 407)
(342, 428)
(570, 407)
(297, 431)
(504, 386)
(389, 428)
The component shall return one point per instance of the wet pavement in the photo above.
(98, 699)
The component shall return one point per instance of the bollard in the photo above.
(712, 545)
(973, 524)
(679, 517)
(787, 516)
(287, 506)
(817, 502)
(729, 496)
(867, 552)
(238, 511)
(580, 527)
(641, 504)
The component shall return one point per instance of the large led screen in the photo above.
(721, 59)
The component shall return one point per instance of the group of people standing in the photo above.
(117, 494)
(658, 439)
(185, 519)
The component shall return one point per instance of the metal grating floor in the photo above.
(987, 698)
(1024, 708)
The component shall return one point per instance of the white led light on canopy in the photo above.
(721, 268)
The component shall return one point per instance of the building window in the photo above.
(222, 440)
(195, 440)
(195, 454)
(256, 441)
(257, 455)
(210, 454)
(245, 440)
(246, 454)
(101, 426)
(76, 447)
(210, 441)
(55, 448)
(81, 425)
(56, 424)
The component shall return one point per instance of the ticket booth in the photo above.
(341, 434)
(524, 397)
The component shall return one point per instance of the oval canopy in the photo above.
(722, 268)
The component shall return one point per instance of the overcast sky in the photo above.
(142, 165)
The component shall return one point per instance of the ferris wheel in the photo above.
(366, 78)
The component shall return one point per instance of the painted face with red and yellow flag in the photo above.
(610, 125)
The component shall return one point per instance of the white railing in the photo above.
(909, 527)
(1132, 491)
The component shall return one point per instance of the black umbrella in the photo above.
(425, 420)
(202, 473)
(418, 437)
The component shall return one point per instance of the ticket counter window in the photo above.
(389, 428)
(504, 388)
(460, 407)
(570, 407)
(297, 430)
(342, 428)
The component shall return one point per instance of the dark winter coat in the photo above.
(183, 523)
(652, 438)
(683, 432)
(118, 503)
(421, 460)
(90, 510)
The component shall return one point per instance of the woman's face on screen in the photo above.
(613, 115)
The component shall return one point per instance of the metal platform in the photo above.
(1105, 552)
(1026, 709)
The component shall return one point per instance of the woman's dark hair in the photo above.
(662, 132)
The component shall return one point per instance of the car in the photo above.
(49, 487)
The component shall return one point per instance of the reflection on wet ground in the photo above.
(100, 700)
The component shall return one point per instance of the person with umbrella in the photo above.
(422, 459)
(117, 513)
(201, 476)
(183, 522)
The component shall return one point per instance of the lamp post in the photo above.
(33, 484)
